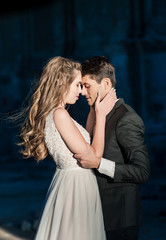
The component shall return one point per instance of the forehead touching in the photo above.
(77, 78)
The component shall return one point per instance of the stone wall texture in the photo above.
(131, 33)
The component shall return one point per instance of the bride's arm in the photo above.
(69, 131)
(71, 134)
(102, 109)
(99, 129)
(90, 123)
(87, 159)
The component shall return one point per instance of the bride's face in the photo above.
(74, 90)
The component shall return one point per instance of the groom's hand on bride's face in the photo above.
(87, 159)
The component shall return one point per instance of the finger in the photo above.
(79, 164)
(77, 155)
(112, 93)
(97, 99)
(110, 99)
(109, 94)
(79, 160)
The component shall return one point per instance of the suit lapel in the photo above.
(116, 106)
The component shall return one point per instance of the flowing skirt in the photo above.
(73, 208)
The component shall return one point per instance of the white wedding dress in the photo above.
(73, 209)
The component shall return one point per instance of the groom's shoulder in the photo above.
(128, 113)
(124, 107)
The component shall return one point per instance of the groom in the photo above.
(125, 163)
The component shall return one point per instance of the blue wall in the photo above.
(131, 33)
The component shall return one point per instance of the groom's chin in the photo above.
(92, 104)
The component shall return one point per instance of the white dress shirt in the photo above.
(107, 167)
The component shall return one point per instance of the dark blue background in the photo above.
(132, 34)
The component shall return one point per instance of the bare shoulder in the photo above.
(60, 113)
(60, 116)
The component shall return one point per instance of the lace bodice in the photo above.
(57, 147)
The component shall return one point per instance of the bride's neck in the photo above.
(61, 106)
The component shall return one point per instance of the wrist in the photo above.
(100, 117)
(98, 163)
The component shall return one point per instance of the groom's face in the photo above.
(90, 89)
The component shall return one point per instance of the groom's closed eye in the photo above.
(86, 86)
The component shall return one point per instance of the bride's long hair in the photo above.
(55, 80)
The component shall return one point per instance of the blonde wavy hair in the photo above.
(55, 81)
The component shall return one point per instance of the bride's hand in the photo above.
(105, 106)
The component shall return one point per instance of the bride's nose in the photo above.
(80, 90)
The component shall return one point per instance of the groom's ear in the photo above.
(106, 83)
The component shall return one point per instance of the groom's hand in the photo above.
(88, 159)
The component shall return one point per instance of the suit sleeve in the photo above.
(130, 135)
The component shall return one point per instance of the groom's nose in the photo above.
(84, 92)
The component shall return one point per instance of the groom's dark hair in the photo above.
(99, 67)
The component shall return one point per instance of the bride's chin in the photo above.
(72, 102)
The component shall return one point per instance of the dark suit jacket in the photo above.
(124, 144)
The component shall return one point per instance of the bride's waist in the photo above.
(73, 168)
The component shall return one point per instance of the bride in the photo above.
(73, 209)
